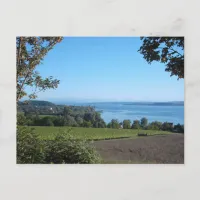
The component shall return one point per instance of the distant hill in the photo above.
(37, 103)
(49, 108)
(41, 107)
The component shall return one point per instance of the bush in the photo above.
(63, 149)
(67, 150)
(29, 147)
(142, 134)
(21, 119)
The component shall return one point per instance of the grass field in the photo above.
(93, 133)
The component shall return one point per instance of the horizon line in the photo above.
(106, 101)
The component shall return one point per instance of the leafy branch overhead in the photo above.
(167, 50)
(30, 53)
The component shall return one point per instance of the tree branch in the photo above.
(20, 89)
(19, 51)
(175, 51)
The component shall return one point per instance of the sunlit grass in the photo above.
(92, 133)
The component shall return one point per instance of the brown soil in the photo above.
(151, 149)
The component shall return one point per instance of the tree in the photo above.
(67, 111)
(167, 126)
(86, 124)
(70, 121)
(79, 120)
(97, 116)
(179, 128)
(98, 121)
(167, 50)
(101, 124)
(114, 123)
(126, 124)
(155, 125)
(47, 121)
(136, 124)
(109, 125)
(21, 119)
(96, 125)
(182, 128)
(59, 121)
(30, 53)
(89, 117)
(144, 122)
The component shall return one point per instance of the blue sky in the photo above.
(106, 69)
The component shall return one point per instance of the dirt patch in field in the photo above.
(155, 149)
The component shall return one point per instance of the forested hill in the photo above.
(48, 108)
(44, 113)
(36, 103)
(39, 107)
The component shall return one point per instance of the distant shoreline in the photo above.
(181, 103)
(169, 103)
(157, 104)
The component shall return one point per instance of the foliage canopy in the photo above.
(167, 50)
(30, 53)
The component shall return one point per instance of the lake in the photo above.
(163, 112)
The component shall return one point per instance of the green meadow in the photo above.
(93, 133)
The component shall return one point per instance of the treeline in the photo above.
(94, 120)
(75, 116)
(143, 124)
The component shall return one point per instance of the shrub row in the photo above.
(64, 149)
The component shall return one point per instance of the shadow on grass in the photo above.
(158, 134)
(128, 162)
(114, 138)
(126, 137)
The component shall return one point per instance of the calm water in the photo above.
(158, 112)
